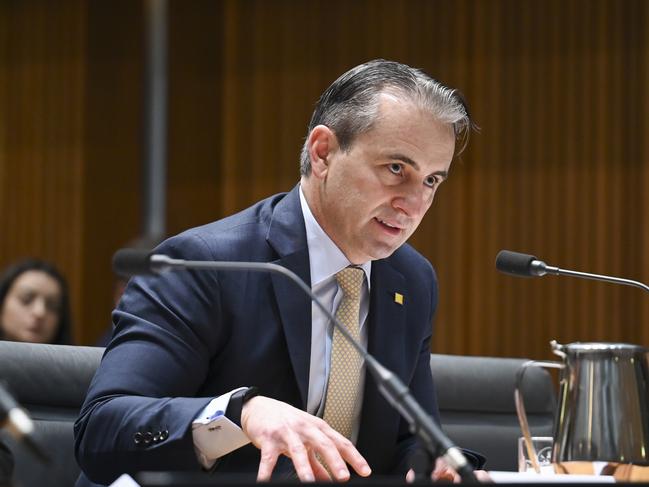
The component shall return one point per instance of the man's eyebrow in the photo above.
(410, 162)
(442, 174)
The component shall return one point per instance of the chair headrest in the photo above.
(55, 375)
(489, 383)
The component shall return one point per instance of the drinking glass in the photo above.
(543, 448)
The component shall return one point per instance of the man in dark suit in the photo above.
(172, 391)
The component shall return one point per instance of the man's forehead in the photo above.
(412, 131)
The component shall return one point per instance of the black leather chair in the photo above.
(476, 402)
(50, 381)
(475, 395)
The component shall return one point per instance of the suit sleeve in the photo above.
(140, 405)
(421, 385)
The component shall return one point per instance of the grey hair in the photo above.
(349, 107)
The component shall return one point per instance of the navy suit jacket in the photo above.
(184, 337)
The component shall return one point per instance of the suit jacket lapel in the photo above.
(287, 235)
(385, 335)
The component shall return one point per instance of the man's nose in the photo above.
(413, 202)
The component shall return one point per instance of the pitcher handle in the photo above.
(520, 406)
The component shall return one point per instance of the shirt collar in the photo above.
(325, 258)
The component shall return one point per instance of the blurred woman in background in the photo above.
(34, 304)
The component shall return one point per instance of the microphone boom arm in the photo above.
(540, 268)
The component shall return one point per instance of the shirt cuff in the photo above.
(214, 434)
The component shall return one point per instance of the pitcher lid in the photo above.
(602, 346)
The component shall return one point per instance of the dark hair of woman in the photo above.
(63, 333)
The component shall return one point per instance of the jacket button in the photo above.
(137, 438)
(148, 436)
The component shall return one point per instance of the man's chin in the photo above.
(373, 250)
(383, 251)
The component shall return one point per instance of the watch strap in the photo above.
(237, 400)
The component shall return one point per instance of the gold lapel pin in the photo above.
(398, 298)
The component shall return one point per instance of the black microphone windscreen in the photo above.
(131, 262)
(514, 263)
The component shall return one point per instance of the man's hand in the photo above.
(277, 428)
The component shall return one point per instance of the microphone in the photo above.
(134, 261)
(18, 423)
(524, 265)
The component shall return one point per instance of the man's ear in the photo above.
(322, 144)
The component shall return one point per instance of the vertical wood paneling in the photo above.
(559, 169)
(112, 150)
(41, 106)
(643, 142)
(195, 105)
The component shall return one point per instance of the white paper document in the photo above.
(548, 478)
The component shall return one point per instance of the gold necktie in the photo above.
(346, 363)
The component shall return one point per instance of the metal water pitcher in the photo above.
(603, 409)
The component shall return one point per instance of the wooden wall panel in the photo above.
(113, 151)
(559, 169)
(641, 320)
(42, 47)
(195, 106)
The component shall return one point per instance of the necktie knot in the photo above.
(350, 280)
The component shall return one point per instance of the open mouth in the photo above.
(393, 230)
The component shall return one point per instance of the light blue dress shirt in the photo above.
(325, 260)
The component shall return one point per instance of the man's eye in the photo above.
(395, 168)
(430, 181)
